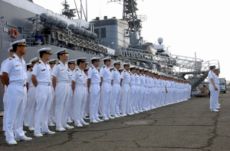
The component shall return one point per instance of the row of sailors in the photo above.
(56, 94)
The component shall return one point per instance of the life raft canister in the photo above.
(13, 33)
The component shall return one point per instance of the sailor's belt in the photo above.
(64, 81)
(116, 83)
(80, 84)
(95, 83)
(44, 83)
(18, 83)
(126, 83)
(107, 82)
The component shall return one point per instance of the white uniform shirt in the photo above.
(125, 76)
(94, 75)
(61, 72)
(80, 78)
(212, 75)
(138, 80)
(3, 63)
(42, 72)
(106, 74)
(16, 69)
(116, 76)
(132, 79)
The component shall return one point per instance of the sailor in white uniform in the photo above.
(72, 69)
(94, 81)
(131, 102)
(106, 79)
(14, 76)
(125, 90)
(41, 78)
(30, 107)
(52, 63)
(11, 53)
(62, 88)
(214, 89)
(79, 85)
(116, 89)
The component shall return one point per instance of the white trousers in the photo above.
(5, 109)
(16, 101)
(30, 107)
(52, 108)
(44, 100)
(62, 95)
(214, 99)
(125, 97)
(115, 99)
(94, 101)
(79, 102)
(105, 98)
(132, 99)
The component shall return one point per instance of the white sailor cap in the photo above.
(46, 50)
(72, 61)
(52, 61)
(106, 58)
(126, 64)
(33, 60)
(132, 67)
(10, 49)
(61, 52)
(95, 58)
(82, 58)
(116, 62)
(21, 42)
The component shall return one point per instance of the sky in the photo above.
(187, 26)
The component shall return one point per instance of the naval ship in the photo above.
(118, 38)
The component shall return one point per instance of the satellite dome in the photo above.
(160, 40)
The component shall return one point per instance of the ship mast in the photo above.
(134, 23)
(66, 11)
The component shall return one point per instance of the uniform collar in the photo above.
(94, 67)
(16, 57)
(62, 63)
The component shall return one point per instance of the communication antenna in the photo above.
(81, 7)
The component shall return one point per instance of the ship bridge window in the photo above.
(97, 32)
(103, 32)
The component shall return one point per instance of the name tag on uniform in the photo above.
(43, 69)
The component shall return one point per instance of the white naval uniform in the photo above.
(131, 101)
(94, 92)
(125, 92)
(80, 96)
(142, 91)
(16, 97)
(52, 118)
(214, 95)
(115, 96)
(106, 91)
(4, 95)
(43, 95)
(138, 93)
(30, 106)
(62, 94)
(71, 97)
